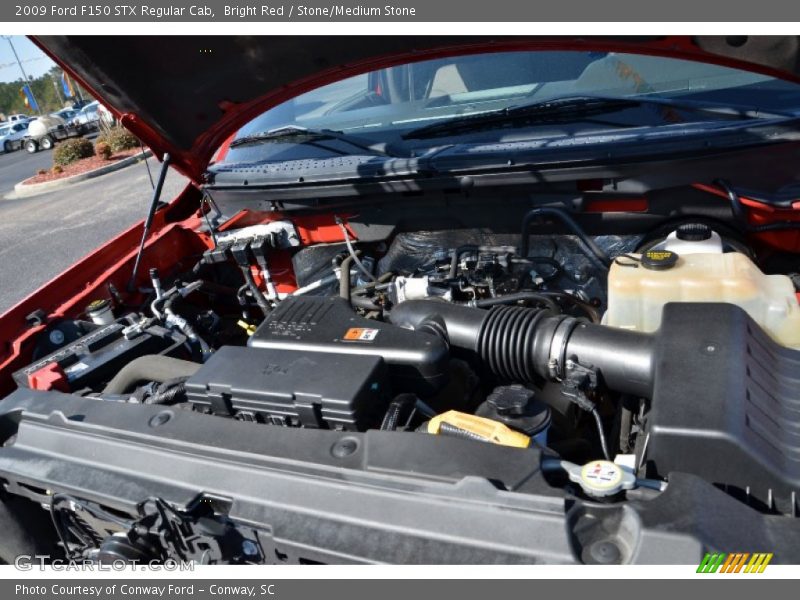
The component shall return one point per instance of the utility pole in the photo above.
(24, 74)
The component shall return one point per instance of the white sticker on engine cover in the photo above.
(361, 334)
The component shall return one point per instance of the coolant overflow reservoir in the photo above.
(637, 294)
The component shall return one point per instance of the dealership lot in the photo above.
(19, 165)
(40, 236)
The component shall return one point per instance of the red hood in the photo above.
(186, 95)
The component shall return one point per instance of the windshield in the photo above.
(383, 105)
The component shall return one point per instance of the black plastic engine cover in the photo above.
(726, 405)
(284, 387)
(416, 361)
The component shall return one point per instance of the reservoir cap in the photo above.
(659, 260)
(693, 232)
(599, 478)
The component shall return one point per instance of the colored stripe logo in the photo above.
(737, 562)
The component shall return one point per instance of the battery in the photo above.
(96, 357)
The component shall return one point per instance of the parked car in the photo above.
(44, 132)
(87, 117)
(18, 118)
(426, 300)
(106, 117)
(79, 104)
(12, 135)
(67, 114)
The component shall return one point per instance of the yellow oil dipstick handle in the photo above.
(480, 428)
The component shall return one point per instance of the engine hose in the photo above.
(457, 256)
(543, 297)
(595, 253)
(518, 297)
(169, 395)
(257, 295)
(601, 433)
(352, 250)
(364, 303)
(523, 344)
(740, 213)
(186, 328)
(240, 295)
(590, 311)
(381, 283)
(395, 410)
(344, 276)
(557, 267)
(152, 367)
(507, 341)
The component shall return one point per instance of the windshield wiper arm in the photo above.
(304, 135)
(575, 108)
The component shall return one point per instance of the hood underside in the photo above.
(185, 95)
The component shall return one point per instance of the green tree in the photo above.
(47, 89)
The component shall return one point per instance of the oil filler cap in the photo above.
(659, 260)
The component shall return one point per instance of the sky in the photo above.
(34, 61)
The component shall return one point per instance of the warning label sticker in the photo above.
(361, 334)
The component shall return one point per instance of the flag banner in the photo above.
(30, 100)
(66, 84)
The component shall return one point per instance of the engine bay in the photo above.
(621, 358)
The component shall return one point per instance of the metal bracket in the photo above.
(578, 380)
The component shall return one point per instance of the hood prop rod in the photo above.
(162, 175)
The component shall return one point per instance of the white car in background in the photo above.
(106, 117)
(68, 114)
(88, 117)
(19, 117)
(12, 134)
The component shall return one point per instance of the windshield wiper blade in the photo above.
(576, 108)
(304, 135)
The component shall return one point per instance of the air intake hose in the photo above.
(518, 344)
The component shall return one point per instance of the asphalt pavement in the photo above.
(42, 235)
(19, 165)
